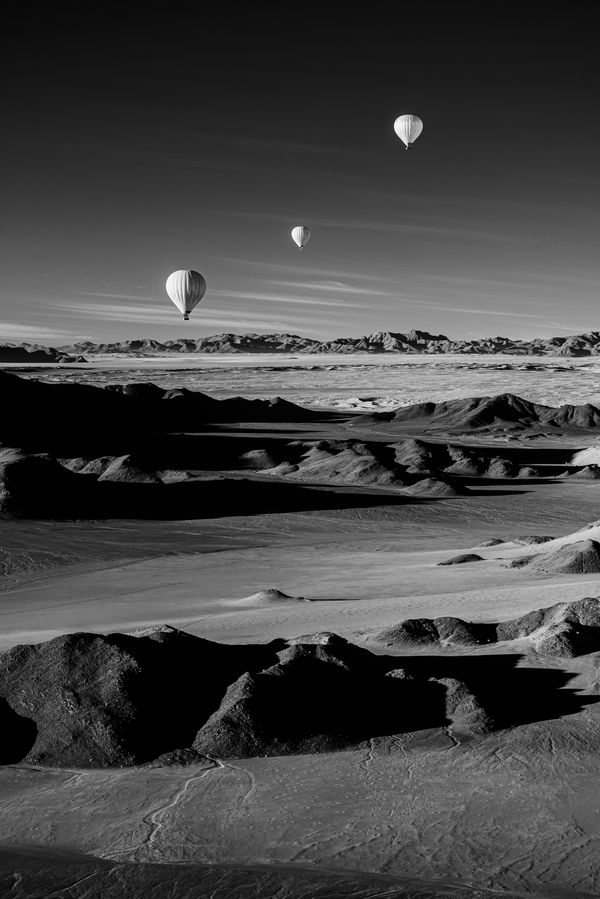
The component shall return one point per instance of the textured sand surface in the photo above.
(433, 812)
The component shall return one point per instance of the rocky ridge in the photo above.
(413, 341)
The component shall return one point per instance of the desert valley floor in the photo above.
(269, 531)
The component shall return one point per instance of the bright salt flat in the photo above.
(358, 381)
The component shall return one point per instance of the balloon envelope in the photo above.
(408, 128)
(300, 235)
(185, 289)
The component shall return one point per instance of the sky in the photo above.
(131, 147)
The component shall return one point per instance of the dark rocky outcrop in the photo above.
(166, 698)
(411, 633)
(533, 539)
(437, 459)
(416, 633)
(582, 557)
(318, 697)
(464, 709)
(565, 629)
(562, 630)
(103, 701)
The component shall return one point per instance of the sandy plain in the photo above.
(515, 811)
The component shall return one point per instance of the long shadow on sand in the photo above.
(224, 497)
(473, 491)
(512, 695)
(44, 871)
(118, 700)
(212, 498)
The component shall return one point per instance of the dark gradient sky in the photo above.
(133, 147)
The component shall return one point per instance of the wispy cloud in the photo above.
(306, 270)
(330, 287)
(122, 312)
(151, 315)
(495, 313)
(116, 296)
(36, 333)
(258, 296)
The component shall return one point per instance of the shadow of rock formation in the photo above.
(93, 701)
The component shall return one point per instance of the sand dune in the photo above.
(589, 456)
(435, 487)
(267, 596)
(462, 559)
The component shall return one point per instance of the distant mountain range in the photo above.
(416, 342)
(379, 342)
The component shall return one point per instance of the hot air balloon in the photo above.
(408, 128)
(301, 235)
(185, 289)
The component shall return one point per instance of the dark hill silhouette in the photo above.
(72, 418)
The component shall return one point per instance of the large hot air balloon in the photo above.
(301, 235)
(408, 128)
(186, 289)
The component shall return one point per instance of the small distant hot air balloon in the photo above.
(185, 289)
(300, 235)
(408, 128)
